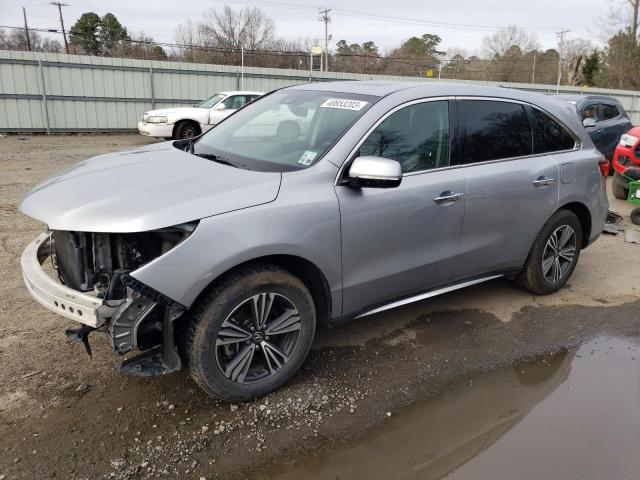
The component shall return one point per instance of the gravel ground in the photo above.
(63, 415)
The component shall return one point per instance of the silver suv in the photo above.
(223, 253)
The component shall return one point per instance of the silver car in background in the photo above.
(224, 252)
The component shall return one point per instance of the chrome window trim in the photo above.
(349, 158)
(577, 145)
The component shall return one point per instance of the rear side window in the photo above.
(494, 130)
(549, 135)
(609, 111)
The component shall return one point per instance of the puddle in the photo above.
(569, 415)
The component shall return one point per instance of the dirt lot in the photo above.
(63, 415)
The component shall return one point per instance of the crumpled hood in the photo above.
(144, 189)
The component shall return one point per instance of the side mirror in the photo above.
(374, 172)
(589, 122)
(219, 107)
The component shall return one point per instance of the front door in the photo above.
(399, 241)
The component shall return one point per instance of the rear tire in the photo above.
(231, 354)
(635, 216)
(554, 254)
(186, 129)
(618, 190)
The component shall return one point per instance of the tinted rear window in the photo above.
(494, 130)
(549, 135)
(609, 111)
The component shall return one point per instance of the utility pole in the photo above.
(324, 17)
(26, 29)
(64, 34)
(560, 35)
(533, 71)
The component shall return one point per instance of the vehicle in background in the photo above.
(603, 117)
(224, 252)
(626, 155)
(187, 122)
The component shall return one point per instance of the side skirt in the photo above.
(510, 274)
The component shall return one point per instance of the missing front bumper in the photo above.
(80, 307)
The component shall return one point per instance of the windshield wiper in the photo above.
(218, 159)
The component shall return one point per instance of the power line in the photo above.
(326, 19)
(64, 35)
(414, 62)
(26, 29)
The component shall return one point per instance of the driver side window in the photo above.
(417, 136)
(234, 102)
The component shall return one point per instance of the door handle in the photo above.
(448, 197)
(543, 182)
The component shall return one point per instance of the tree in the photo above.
(230, 29)
(16, 40)
(591, 67)
(84, 34)
(112, 33)
(634, 19)
(498, 44)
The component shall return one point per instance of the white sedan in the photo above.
(187, 122)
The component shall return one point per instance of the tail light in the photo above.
(604, 167)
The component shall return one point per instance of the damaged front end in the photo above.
(94, 287)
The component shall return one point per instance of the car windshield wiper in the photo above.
(219, 159)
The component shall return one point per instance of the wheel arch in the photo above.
(581, 211)
(308, 272)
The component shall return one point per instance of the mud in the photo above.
(63, 415)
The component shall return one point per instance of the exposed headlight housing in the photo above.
(628, 140)
(157, 119)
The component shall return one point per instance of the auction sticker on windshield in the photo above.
(343, 104)
(307, 157)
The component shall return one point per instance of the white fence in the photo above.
(73, 93)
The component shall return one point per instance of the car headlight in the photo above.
(628, 140)
(157, 119)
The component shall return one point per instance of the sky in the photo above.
(460, 23)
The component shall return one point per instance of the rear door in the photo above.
(511, 191)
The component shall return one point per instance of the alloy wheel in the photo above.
(559, 254)
(258, 338)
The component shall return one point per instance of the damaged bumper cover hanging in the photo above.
(119, 320)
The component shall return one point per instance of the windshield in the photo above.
(287, 130)
(211, 101)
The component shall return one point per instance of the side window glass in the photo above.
(494, 130)
(417, 136)
(609, 111)
(590, 110)
(234, 102)
(549, 135)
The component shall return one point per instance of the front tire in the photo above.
(186, 129)
(554, 254)
(250, 333)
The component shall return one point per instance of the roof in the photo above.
(579, 97)
(423, 89)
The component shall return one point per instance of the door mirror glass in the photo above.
(374, 172)
(588, 122)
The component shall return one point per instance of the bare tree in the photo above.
(499, 43)
(634, 19)
(230, 29)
